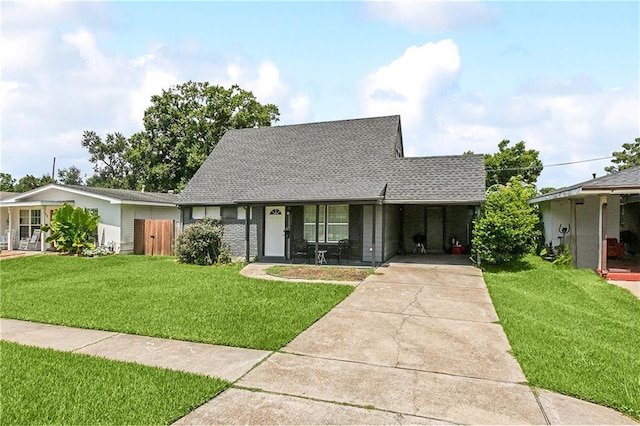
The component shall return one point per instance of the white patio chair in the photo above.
(31, 243)
(4, 241)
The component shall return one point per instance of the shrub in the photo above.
(563, 257)
(506, 230)
(72, 229)
(201, 243)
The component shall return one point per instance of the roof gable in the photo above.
(115, 196)
(348, 160)
(322, 154)
(623, 180)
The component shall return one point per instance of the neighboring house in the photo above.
(346, 179)
(597, 209)
(22, 213)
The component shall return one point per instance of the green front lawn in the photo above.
(571, 331)
(155, 296)
(42, 386)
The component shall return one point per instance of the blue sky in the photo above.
(562, 76)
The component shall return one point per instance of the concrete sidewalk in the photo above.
(413, 344)
(211, 360)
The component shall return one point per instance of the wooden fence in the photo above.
(153, 237)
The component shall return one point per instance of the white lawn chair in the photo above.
(4, 241)
(31, 243)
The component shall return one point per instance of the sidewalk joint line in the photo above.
(346, 404)
(97, 341)
(403, 368)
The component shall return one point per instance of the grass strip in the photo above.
(328, 273)
(43, 386)
(571, 331)
(155, 296)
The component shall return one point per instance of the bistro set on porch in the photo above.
(302, 248)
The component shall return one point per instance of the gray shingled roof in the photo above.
(129, 195)
(454, 178)
(348, 160)
(624, 179)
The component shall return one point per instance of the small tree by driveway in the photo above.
(506, 230)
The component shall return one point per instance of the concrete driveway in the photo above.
(416, 344)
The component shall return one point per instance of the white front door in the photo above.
(274, 231)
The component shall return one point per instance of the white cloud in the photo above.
(429, 15)
(408, 83)
(61, 78)
(564, 126)
(299, 106)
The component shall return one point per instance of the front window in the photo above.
(333, 223)
(30, 220)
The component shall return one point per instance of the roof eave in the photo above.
(377, 200)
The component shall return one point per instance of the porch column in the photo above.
(42, 222)
(573, 236)
(317, 231)
(247, 233)
(373, 236)
(603, 236)
(10, 243)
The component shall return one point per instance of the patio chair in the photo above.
(300, 249)
(30, 243)
(342, 250)
(4, 241)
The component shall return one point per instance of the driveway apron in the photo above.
(413, 344)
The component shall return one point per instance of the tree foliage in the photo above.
(72, 229)
(185, 123)
(511, 161)
(181, 128)
(110, 158)
(6, 182)
(29, 182)
(506, 230)
(201, 243)
(628, 157)
(70, 176)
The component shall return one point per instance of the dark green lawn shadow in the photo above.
(519, 265)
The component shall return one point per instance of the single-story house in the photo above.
(322, 183)
(606, 207)
(21, 214)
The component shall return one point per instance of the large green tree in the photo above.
(181, 128)
(511, 161)
(183, 125)
(628, 157)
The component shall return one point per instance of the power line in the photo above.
(549, 165)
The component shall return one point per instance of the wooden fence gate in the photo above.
(153, 237)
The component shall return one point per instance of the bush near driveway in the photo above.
(571, 331)
(156, 296)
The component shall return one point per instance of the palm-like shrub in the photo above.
(72, 229)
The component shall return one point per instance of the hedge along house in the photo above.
(335, 180)
(21, 214)
(598, 213)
